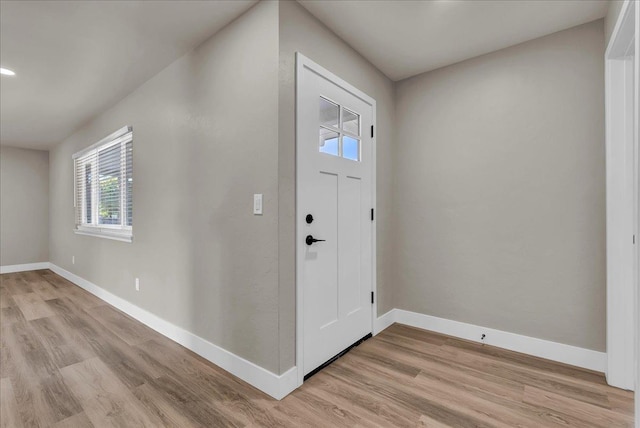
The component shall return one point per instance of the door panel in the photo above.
(351, 246)
(335, 186)
(322, 269)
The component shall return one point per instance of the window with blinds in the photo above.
(103, 177)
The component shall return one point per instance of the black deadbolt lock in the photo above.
(309, 218)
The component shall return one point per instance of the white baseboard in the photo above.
(277, 386)
(384, 321)
(24, 267)
(573, 355)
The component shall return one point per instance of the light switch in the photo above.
(257, 204)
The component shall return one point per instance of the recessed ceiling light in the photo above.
(7, 72)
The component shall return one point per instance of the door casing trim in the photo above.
(622, 222)
(303, 62)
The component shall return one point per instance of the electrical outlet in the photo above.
(73, 260)
(137, 284)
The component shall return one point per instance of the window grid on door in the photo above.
(340, 131)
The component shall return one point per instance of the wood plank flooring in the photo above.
(68, 359)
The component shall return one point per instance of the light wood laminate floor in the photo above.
(69, 359)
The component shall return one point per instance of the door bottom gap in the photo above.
(340, 354)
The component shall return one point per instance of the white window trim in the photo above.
(104, 232)
(114, 232)
(109, 138)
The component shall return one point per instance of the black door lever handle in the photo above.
(310, 240)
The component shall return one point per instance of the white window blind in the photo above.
(103, 185)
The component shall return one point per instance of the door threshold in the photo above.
(340, 354)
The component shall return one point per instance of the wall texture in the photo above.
(24, 206)
(497, 163)
(205, 140)
(301, 32)
(500, 176)
(206, 137)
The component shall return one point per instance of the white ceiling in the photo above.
(405, 38)
(73, 59)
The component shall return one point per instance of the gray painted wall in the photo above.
(301, 32)
(209, 121)
(24, 206)
(497, 163)
(500, 174)
(205, 140)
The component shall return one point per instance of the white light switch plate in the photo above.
(257, 204)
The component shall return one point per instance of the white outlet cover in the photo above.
(257, 204)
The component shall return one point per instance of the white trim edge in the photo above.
(277, 386)
(621, 197)
(384, 321)
(105, 233)
(111, 137)
(568, 354)
(24, 267)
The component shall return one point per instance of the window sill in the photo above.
(105, 233)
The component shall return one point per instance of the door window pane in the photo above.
(329, 113)
(350, 148)
(351, 122)
(329, 142)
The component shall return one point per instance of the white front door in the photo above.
(335, 155)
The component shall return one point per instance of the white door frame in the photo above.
(303, 62)
(622, 201)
